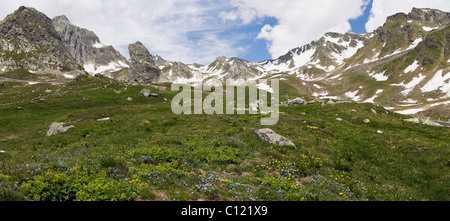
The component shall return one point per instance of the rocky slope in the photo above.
(86, 48)
(143, 67)
(403, 65)
(29, 41)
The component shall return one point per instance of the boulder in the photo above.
(145, 92)
(2, 84)
(367, 121)
(413, 120)
(295, 102)
(431, 123)
(129, 99)
(270, 136)
(57, 128)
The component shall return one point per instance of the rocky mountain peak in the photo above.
(143, 67)
(139, 52)
(29, 41)
(86, 48)
(61, 19)
(430, 15)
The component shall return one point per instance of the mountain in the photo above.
(29, 41)
(142, 68)
(86, 48)
(403, 65)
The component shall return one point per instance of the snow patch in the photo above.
(69, 76)
(412, 67)
(113, 66)
(411, 85)
(415, 43)
(374, 58)
(303, 58)
(438, 82)
(265, 87)
(425, 28)
(329, 97)
(98, 45)
(352, 95)
(372, 99)
(410, 111)
(379, 77)
(347, 53)
(335, 77)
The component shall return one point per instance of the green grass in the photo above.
(145, 152)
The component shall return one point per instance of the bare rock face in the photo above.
(270, 136)
(86, 48)
(235, 68)
(29, 41)
(143, 67)
(57, 128)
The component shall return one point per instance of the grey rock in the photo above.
(143, 67)
(57, 128)
(129, 99)
(29, 33)
(84, 45)
(159, 88)
(367, 121)
(235, 68)
(431, 123)
(295, 102)
(2, 84)
(145, 92)
(270, 136)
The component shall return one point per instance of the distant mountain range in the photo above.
(403, 65)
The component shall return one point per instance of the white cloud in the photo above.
(179, 30)
(381, 9)
(299, 22)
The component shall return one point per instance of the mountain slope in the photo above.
(29, 41)
(86, 48)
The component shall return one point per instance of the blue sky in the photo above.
(198, 31)
(359, 24)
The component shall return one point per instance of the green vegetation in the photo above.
(145, 152)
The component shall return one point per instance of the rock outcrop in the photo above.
(29, 41)
(142, 67)
(270, 136)
(57, 128)
(295, 102)
(86, 48)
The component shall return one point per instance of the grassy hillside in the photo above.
(145, 152)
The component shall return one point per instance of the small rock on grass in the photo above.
(270, 136)
(57, 128)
